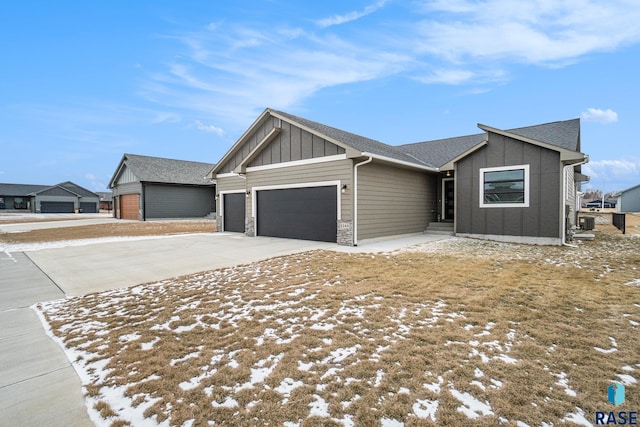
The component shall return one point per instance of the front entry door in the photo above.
(448, 200)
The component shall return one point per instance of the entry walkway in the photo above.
(38, 385)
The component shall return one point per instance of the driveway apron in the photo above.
(38, 385)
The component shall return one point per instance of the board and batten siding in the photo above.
(339, 170)
(394, 201)
(130, 188)
(291, 144)
(178, 201)
(540, 220)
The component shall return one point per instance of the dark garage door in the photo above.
(234, 212)
(56, 207)
(88, 207)
(298, 213)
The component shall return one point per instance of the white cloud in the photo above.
(209, 128)
(615, 168)
(541, 32)
(351, 16)
(599, 116)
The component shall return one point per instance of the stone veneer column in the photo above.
(345, 233)
(249, 228)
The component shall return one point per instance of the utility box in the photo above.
(587, 223)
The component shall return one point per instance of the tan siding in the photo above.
(231, 183)
(394, 201)
(340, 170)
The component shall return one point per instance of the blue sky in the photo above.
(84, 82)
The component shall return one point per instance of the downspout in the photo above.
(355, 198)
(564, 199)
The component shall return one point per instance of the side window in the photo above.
(504, 187)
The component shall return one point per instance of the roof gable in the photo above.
(165, 171)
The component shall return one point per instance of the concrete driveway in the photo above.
(80, 270)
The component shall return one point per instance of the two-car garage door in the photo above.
(308, 213)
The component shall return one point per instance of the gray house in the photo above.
(65, 197)
(629, 200)
(291, 177)
(152, 187)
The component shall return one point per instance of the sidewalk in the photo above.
(38, 385)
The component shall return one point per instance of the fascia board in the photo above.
(238, 144)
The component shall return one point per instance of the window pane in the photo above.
(504, 186)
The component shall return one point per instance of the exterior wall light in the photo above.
(343, 189)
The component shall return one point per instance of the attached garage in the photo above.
(234, 208)
(308, 213)
(130, 206)
(88, 207)
(56, 207)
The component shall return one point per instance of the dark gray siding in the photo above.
(291, 144)
(394, 201)
(178, 201)
(540, 219)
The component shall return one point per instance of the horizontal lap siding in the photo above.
(232, 183)
(394, 201)
(340, 170)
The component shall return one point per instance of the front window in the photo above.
(504, 187)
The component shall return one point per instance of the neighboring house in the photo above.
(65, 197)
(152, 187)
(629, 200)
(106, 200)
(291, 177)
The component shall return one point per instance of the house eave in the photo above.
(565, 154)
(398, 162)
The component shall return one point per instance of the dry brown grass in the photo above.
(326, 338)
(113, 229)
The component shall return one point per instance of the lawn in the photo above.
(457, 332)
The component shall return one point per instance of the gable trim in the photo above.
(400, 162)
(450, 164)
(350, 151)
(295, 163)
(565, 155)
(242, 167)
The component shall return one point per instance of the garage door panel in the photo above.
(130, 206)
(234, 212)
(88, 207)
(298, 213)
(57, 207)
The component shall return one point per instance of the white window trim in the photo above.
(527, 184)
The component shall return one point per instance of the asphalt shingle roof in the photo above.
(18, 190)
(563, 134)
(358, 142)
(168, 171)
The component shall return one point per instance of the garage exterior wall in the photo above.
(394, 201)
(538, 223)
(629, 201)
(340, 170)
(227, 184)
(130, 188)
(177, 201)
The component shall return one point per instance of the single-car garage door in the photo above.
(234, 212)
(56, 207)
(130, 206)
(88, 207)
(298, 213)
